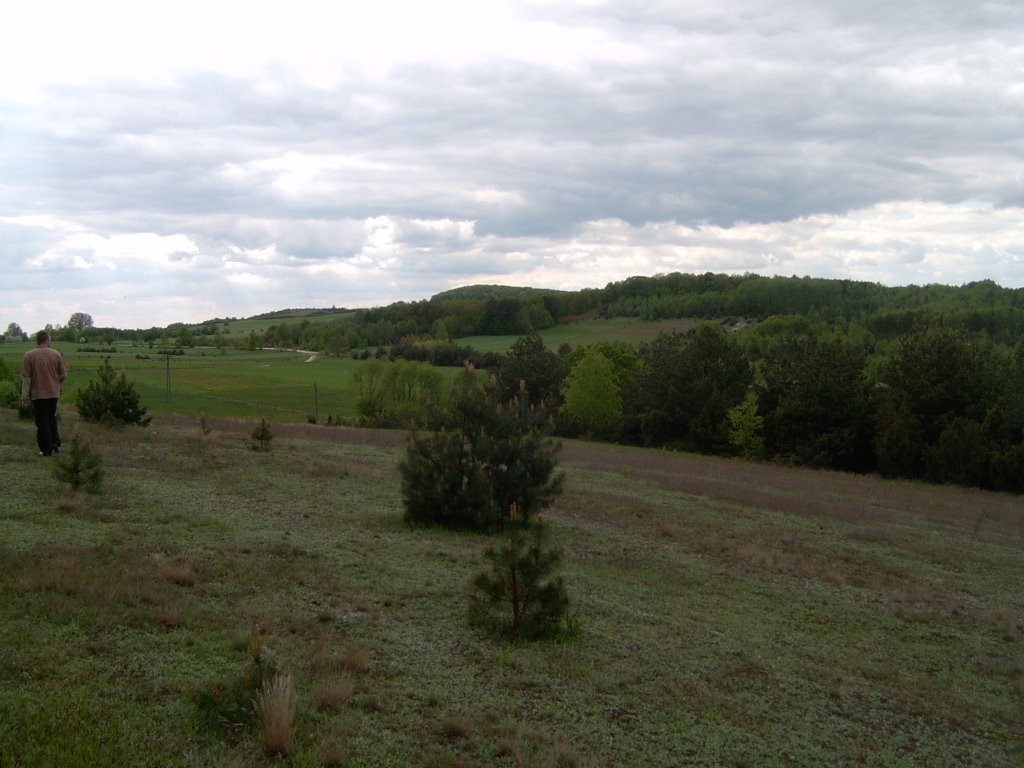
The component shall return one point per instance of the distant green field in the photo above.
(583, 332)
(282, 385)
(260, 325)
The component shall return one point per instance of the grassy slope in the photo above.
(732, 614)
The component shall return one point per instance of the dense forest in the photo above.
(916, 381)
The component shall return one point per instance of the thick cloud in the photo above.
(553, 144)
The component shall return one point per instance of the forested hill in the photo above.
(866, 310)
(885, 312)
(488, 292)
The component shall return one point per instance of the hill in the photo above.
(485, 292)
(730, 613)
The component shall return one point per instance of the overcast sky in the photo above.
(215, 158)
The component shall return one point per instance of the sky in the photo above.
(175, 162)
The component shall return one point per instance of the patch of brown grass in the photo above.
(179, 573)
(918, 602)
(69, 500)
(1008, 624)
(276, 705)
(357, 659)
(837, 495)
(456, 728)
(334, 693)
(334, 753)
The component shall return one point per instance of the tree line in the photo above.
(871, 311)
(936, 404)
(941, 406)
(868, 311)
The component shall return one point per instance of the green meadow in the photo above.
(589, 331)
(730, 613)
(278, 385)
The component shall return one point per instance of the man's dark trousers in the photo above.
(47, 435)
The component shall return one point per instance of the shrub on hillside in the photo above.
(79, 465)
(519, 595)
(231, 704)
(487, 463)
(261, 436)
(112, 399)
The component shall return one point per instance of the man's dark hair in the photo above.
(42, 337)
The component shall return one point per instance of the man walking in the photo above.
(42, 372)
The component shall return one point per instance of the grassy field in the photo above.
(284, 386)
(589, 331)
(279, 385)
(731, 614)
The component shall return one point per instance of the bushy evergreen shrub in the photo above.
(519, 595)
(261, 436)
(79, 465)
(112, 399)
(486, 464)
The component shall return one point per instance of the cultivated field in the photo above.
(731, 614)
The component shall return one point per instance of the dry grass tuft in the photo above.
(333, 754)
(170, 616)
(59, 570)
(275, 705)
(917, 602)
(456, 728)
(333, 694)
(181, 574)
(1007, 623)
(69, 500)
(357, 659)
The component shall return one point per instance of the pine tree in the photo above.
(262, 436)
(112, 399)
(79, 465)
(519, 594)
(484, 460)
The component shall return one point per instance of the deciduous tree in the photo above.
(687, 384)
(591, 395)
(79, 321)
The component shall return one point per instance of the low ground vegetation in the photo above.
(731, 613)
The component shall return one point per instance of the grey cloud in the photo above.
(739, 111)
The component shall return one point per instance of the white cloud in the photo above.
(232, 158)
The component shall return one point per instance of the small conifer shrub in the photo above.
(79, 465)
(262, 436)
(232, 705)
(519, 595)
(483, 460)
(112, 399)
